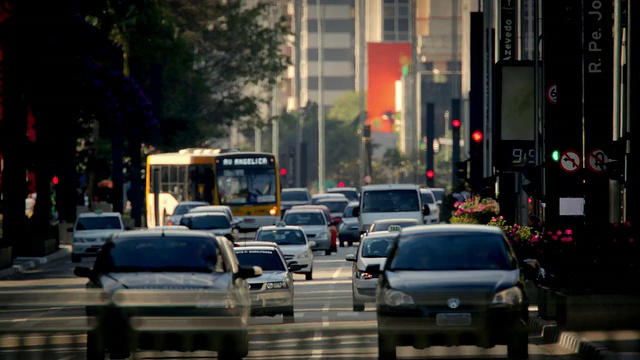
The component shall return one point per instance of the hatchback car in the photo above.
(271, 293)
(333, 223)
(91, 231)
(445, 285)
(293, 243)
(216, 223)
(294, 196)
(180, 278)
(315, 226)
(372, 250)
(218, 208)
(183, 208)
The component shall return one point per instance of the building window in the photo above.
(389, 11)
(389, 25)
(403, 10)
(396, 20)
(403, 24)
(389, 36)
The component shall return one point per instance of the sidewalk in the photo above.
(21, 264)
(590, 345)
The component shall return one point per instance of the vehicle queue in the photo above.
(455, 284)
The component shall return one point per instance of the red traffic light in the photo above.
(341, 184)
(55, 180)
(476, 136)
(283, 171)
(455, 123)
(430, 174)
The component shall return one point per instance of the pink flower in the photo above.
(534, 239)
(554, 237)
(615, 224)
(548, 232)
(566, 239)
(626, 223)
(559, 232)
(501, 217)
(631, 240)
(494, 219)
(568, 232)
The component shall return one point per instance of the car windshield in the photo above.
(207, 222)
(352, 195)
(375, 248)
(294, 196)
(452, 251)
(184, 208)
(268, 260)
(348, 211)
(390, 201)
(282, 237)
(302, 219)
(151, 254)
(427, 198)
(438, 194)
(98, 223)
(385, 225)
(334, 206)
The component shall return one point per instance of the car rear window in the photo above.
(268, 260)
(207, 222)
(294, 196)
(334, 206)
(98, 223)
(183, 209)
(452, 251)
(282, 237)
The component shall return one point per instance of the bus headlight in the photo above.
(273, 211)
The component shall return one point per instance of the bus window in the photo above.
(202, 181)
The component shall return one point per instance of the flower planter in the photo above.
(598, 312)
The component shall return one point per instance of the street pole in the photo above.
(298, 81)
(614, 186)
(487, 10)
(361, 87)
(321, 148)
(258, 138)
(275, 123)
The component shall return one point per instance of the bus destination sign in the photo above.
(252, 161)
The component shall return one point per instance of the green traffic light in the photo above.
(555, 155)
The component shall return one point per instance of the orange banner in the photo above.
(385, 62)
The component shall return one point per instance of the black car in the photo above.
(181, 290)
(449, 285)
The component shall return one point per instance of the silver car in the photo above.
(373, 250)
(293, 243)
(314, 224)
(271, 293)
(215, 223)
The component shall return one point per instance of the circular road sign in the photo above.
(551, 94)
(570, 161)
(368, 179)
(597, 160)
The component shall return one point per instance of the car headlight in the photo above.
(511, 296)
(304, 255)
(397, 298)
(277, 285)
(323, 236)
(362, 275)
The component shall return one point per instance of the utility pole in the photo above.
(361, 47)
(275, 123)
(298, 82)
(321, 148)
(258, 135)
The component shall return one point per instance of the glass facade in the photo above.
(396, 21)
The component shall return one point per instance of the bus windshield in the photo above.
(246, 186)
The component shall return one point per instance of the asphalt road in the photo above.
(325, 326)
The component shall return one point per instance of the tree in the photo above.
(346, 108)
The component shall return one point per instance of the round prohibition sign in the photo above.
(570, 161)
(596, 160)
(552, 95)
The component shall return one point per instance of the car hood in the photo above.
(364, 262)
(165, 281)
(289, 204)
(314, 229)
(268, 276)
(293, 249)
(483, 280)
(99, 233)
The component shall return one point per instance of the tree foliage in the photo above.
(346, 108)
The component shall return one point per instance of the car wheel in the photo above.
(309, 275)
(386, 347)
(357, 305)
(518, 347)
(287, 316)
(95, 346)
(327, 252)
(76, 258)
(235, 348)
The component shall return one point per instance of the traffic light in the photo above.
(614, 167)
(555, 155)
(455, 146)
(283, 172)
(340, 184)
(283, 179)
(430, 178)
(461, 169)
(455, 124)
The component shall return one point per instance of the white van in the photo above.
(389, 202)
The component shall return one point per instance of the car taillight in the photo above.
(169, 223)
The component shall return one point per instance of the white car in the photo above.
(293, 243)
(216, 223)
(373, 250)
(218, 208)
(428, 198)
(314, 224)
(91, 231)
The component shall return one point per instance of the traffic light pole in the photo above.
(455, 145)
(428, 118)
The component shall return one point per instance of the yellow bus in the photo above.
(247, 182)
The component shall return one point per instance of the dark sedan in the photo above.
(181, 290)
(449, 285)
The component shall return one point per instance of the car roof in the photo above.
(171, 228)
(275, 227)
(390, 187)
(458, 228)
(332, 199)
(295, 189)
(304, 209)
(158, 233)
(393, 221)
(425, 190)
(99, 214)
(204, 213)
(342, 189)
(381, 234)
(193, 203)
(264, 246)
(329, 195)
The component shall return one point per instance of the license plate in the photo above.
(453, 319)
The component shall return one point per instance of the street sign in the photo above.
(551, 94)
(368, 179)
(597, 160)
(570, 161)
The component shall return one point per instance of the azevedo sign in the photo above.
(508, 30)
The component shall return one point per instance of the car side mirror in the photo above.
(248, 272)
(350, 257)
(426, 210)
(82, 271)
(374, 269)
(439, 202)
(312, 243)
(356, 212)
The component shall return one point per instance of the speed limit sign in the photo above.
(551, 94)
